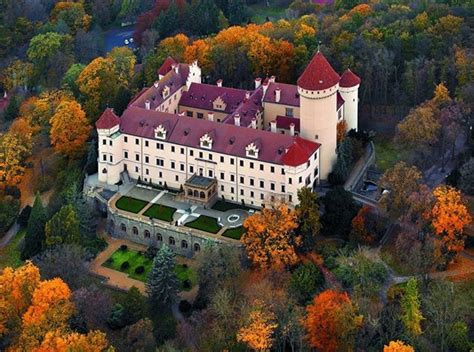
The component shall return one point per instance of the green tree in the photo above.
(84, 212)
(63, 227)
(162, 283)
(11, 112)
(135, 306)
(308, 218)
(70, 78)
(410, 306)
(121, 100)
(305, 282)
(339, 210)
(35, 235)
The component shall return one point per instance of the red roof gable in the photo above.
(299, 152)
(349, 79)
(284, 122)
(318, 75)
(107, 120)
(166, 66)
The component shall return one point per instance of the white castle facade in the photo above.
(247, 146)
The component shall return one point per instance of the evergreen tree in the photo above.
(162, 283)
(85, 213)
(135, 306)
(308, 218)
(121, 100)
(206, 15)
(344, 158)
(63, 227)
(35, 235)
(168, 21)
(410, 305)
(237, 12)
(339, 210)
(11, 112)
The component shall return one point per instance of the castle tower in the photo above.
(317, 87)
(349, 89)
(110, 147)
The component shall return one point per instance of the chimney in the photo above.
(147, 104)
(237, 119)
(5, 95)
(156, 84)
(219, 82)
(247, 95)
(254, 123)
(292, 129)
(277, 94)
(175, 67)
(265, 87)
(272, 79)
(258, 82)
(210, 116)
(181, 113)
(273, 126)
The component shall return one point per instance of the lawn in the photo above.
(136, 259)
(205, 223)
(234, 233)
(132, 205)
(388, 255)
(161, 212)
(261, 12)
(222, 205)
(10, 254)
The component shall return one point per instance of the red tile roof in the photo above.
(299, 152)
(349, 79)
(227, 138)
(318, 75)
(288, 94)
(107, 120)
(248, 109)
(284, 122)
(166, 66)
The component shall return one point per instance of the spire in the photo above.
(349, 79)
(318, 75)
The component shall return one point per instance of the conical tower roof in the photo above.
(318, 75)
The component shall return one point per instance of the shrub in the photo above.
(117, 317)
(123, 247)
(125, 265)
(305, 282)
(151, 252)
(185, 266)
(109, 261)
(139, 269)
(140, 253)
(186, 284)
(185, 307)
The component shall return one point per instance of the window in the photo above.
(200, 155)
(181, 167)
(176, 178)
(282, 171)
(136, 169)
(262, 184)
(147, 234)
(125, 155)
(222, 175)
(104, 142)
(123, 227)
(111, 158)
(272, 169)
(189, 113)
(241, 163)
(251, 165)
(283, 188)
(300, 179)
(252, 182)
(241, 192)
(222, 188)
(160, 146)
(261, 196)
(159, 162)
(211, 174)
(315, 156)
(182, 150)
(171, 241)
(222, 159)
(289, 112)
(231, 189)
(137, 157)
(172, 149)
(135, 230)
(184, 244)
(110, 143)
(137, 141)
(191, 169)
(232, 161)
(160, 174)
(210, 156)
(251, 194)
(104, 157)
(200, 115)
(262, 167)
(241, 180)
(232, 178)
(191, 152)
(146, 144)
(197, 247)
(125, 138)
(172, 164)
(290, 181)
(272, 186)
(147, 159)
(147, 171)
(159, 237)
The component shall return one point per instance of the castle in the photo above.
(212, 141)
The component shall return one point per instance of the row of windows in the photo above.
(159, 238)
(252, 194)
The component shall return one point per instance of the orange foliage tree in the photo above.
(398, 346)
(359, 230)
(331, 322)
(449, 216)
(199, 50)
(341, 130)
(94, 341)
(269, 239)
(69, 129)
(259, 328)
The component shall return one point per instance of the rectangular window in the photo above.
(191, 169)
(147, 172)
(251, 194)
(189, 113)
(211, 174)
(283, 188)
(172, 164)
(147, 159)
(201, 155)
(231, 189)
(232, 161)
(272, 169)
(182, 150)
(191, 152)
(300, 179)
(136, 168)
(290, 181)
(146, 143)
(181, 167)
(252, 182)
(222, 159)
(200, 115)
(262, 167)
(222, 175)
(104, 142)
(160, 174)
(222, 188)
(241, 192)
(172, 149)
(176, 178)
(289, 112)
(104, 157)
(110, 143)
(241, 180)
(137, 141)
(272, 186)
(251, 165)
(125, 138)
(137, 157)
(232, 178)
(261, 196)
(241, 163)
(210, 156)
(159, 162)
(282, 171)
(125, 155)
(262, 184)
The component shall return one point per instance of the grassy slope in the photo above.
(10, 255)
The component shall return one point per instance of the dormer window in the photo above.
(219, 104)
(160, 132)
(252, 151)
(166, 92)
(206, 141)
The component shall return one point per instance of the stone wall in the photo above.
(183, 240)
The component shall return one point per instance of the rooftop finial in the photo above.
(319, 45)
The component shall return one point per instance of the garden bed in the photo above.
(222, 205)
(160, 212)
(137, 259)
(205, 223)
(235, 233)
(131, 205)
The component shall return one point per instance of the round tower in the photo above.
(110, 148)
(349, 90)
(317, 87)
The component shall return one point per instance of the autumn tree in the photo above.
(69, 129)
(257, 332)
(124, 61)
(72, 13)
(55, 341)
(341, 130)
(63, 228)
(332, 322)
(308, 218)
(449, 217)
(410, 306)
(269, 239)
(398, 346)
(400, 181)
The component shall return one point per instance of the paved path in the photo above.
(9, 235)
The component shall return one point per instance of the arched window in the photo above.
(135, 230)
(202, 195)
(104, 170)
(159, 237)
(197, 247)
(196, 194)
(171, 241)
(184, 244)
(146, 234)
(123, 227)
(190, 192)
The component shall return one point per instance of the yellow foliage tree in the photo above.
(94, 341)
(441, 95)
(269, 239)
(199, 50)
(398, 346)
(175, 46)
(69, 129)
(419, 128)
(449, 216)
(258, 331)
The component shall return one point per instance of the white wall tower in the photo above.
(109, 157)
(317, 87)
(349, 89)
